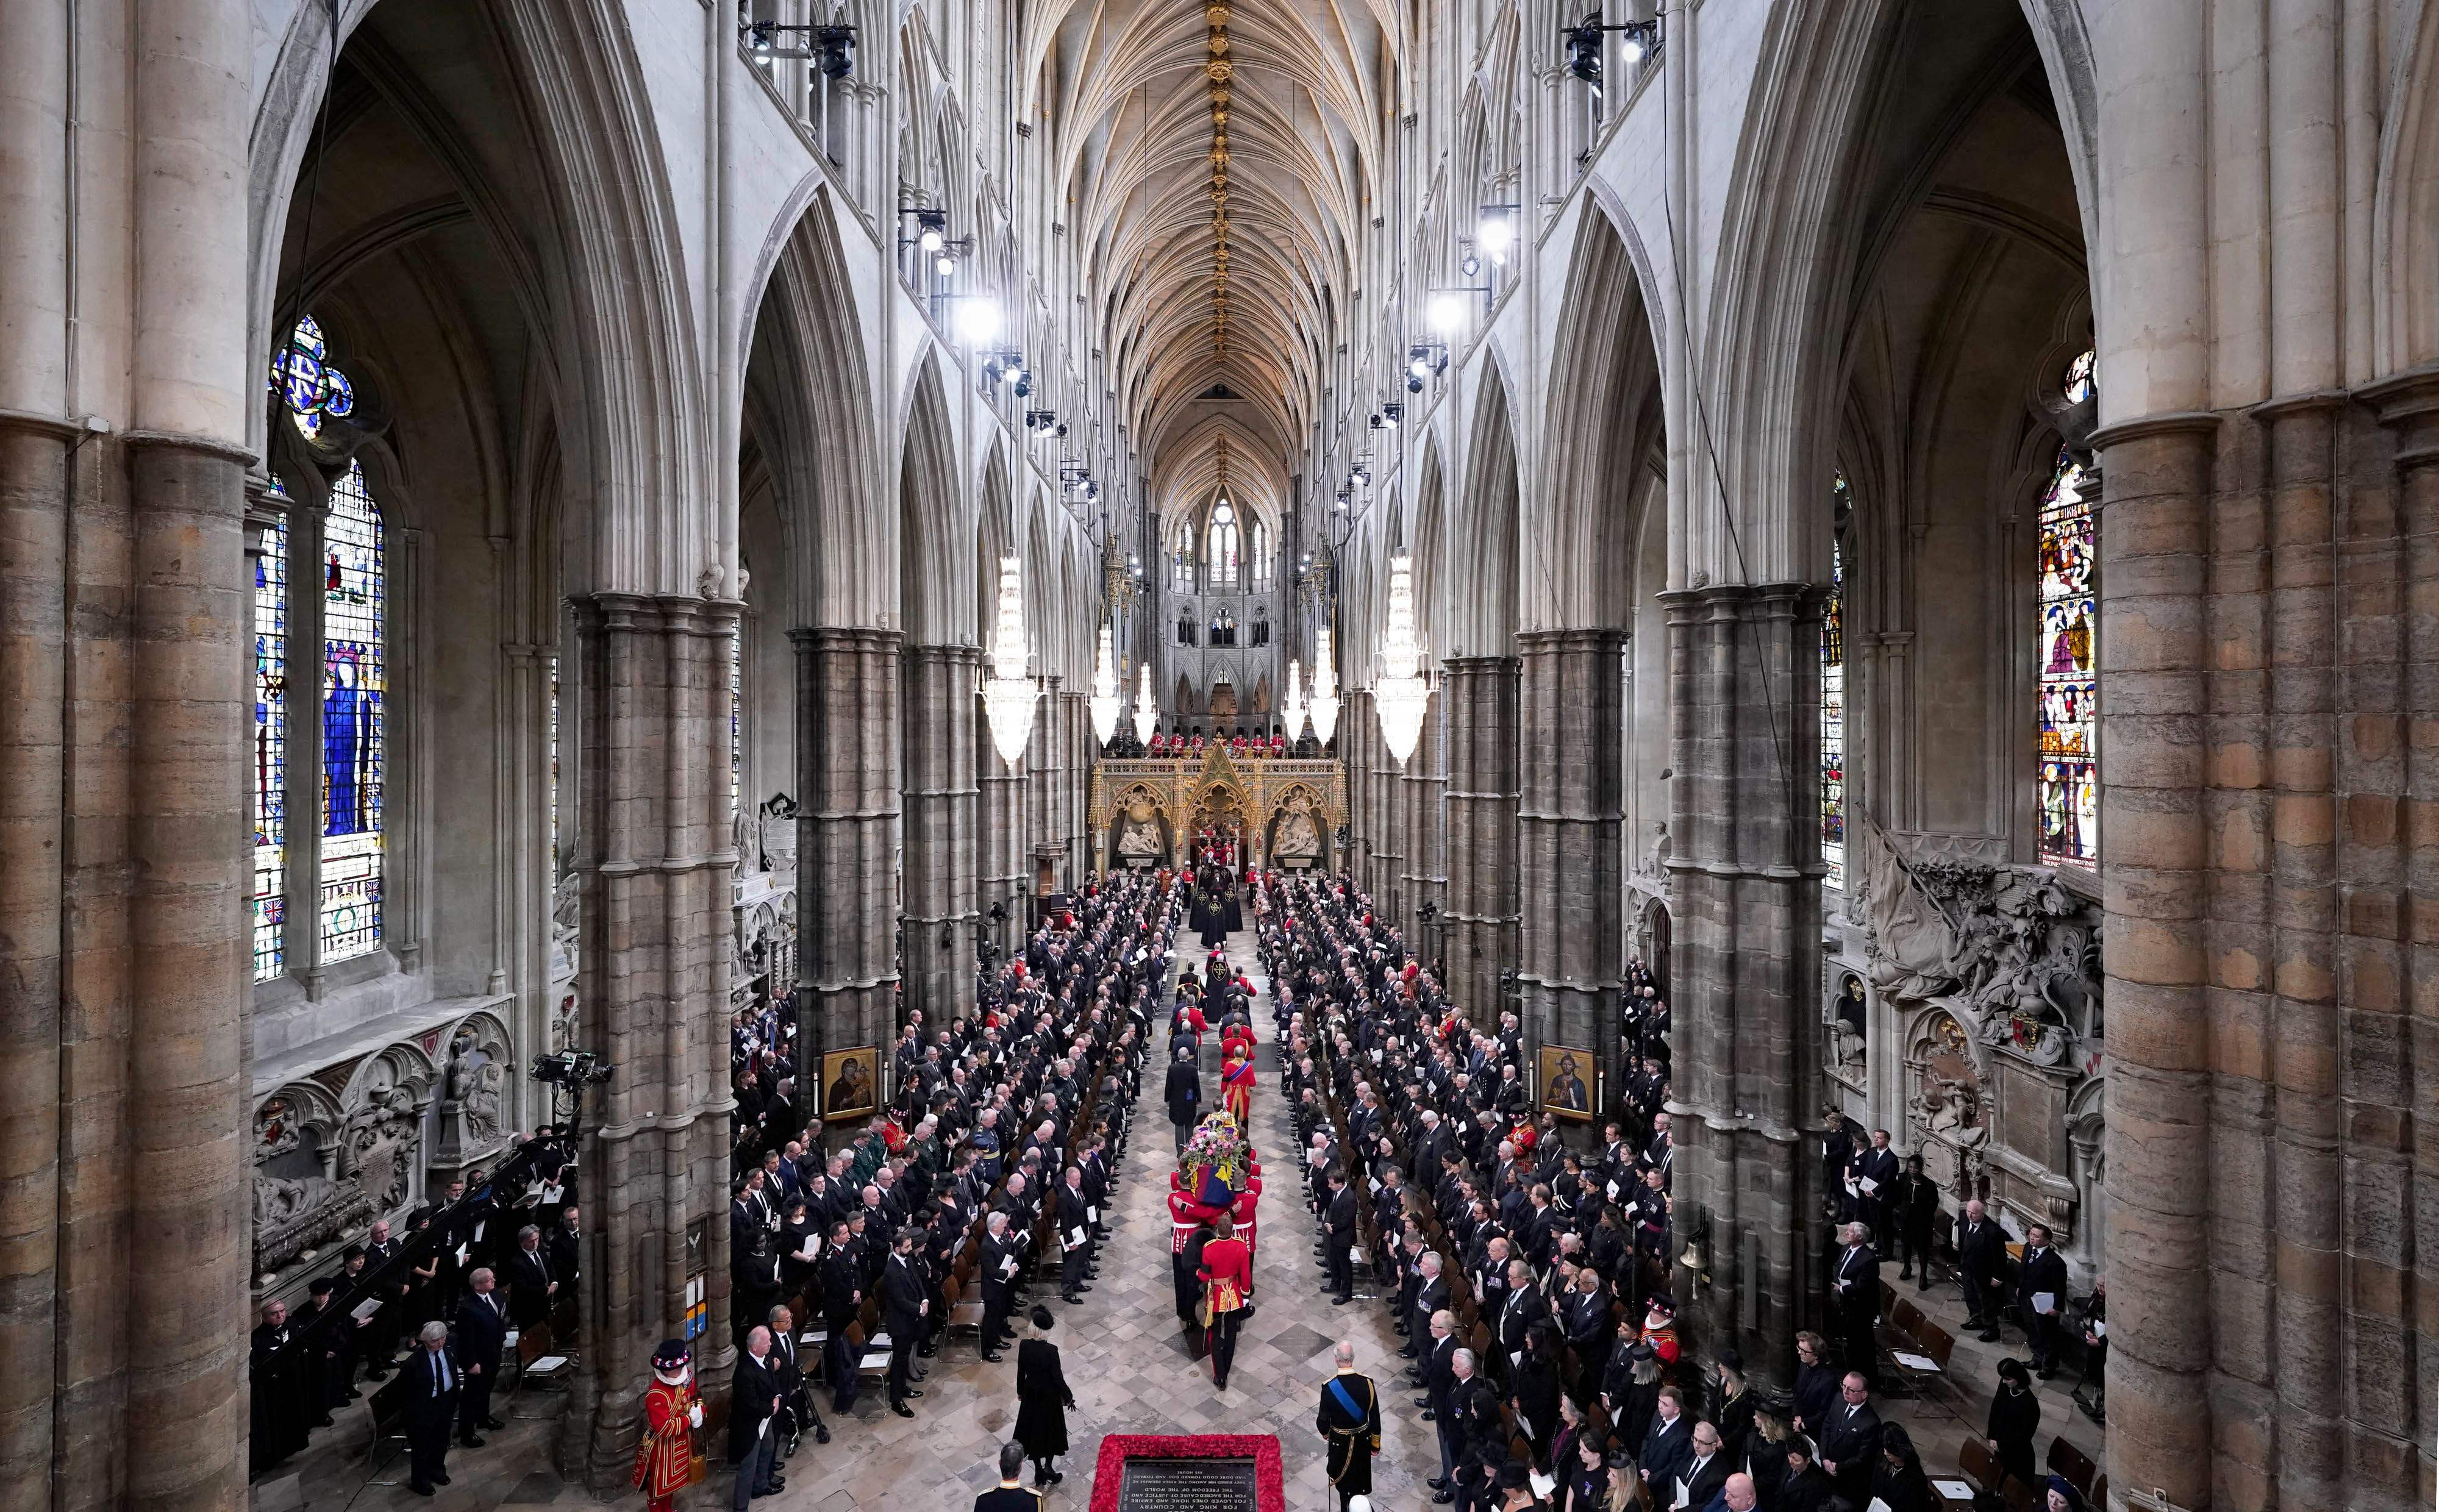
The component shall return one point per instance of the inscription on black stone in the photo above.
(1187, 1485)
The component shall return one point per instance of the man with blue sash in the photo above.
(1349, 1421)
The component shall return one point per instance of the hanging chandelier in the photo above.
(1106, 701)
(1145, 716)
(1008, 695)
(1295, 701)
(1325, 689)
(1402, 692)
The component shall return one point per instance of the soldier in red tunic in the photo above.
(665, 1460)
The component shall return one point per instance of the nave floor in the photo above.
(1125, 1358)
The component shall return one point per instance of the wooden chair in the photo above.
(533, 1344)
(1979, 1467)
(2019, 1497)
(2072, 1463)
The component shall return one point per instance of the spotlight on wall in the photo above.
(833, 50)
(1496, 234)
(978, 320)
(1447, 314)
(1391, 414)
(1584, 54)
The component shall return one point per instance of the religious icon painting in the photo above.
(1569, 1081)
(850, 1085)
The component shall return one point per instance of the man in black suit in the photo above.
(1668, 1447)
(1855, 1286)
(1470, 1427)
(1010, 1495)
(1075, 1238)
(430, 1384)
(998, 1264)
(1338, 1219)
(1706, 1472)
(1430, 1296)
(1876, 1179)
(755, 1401)
(482, 1329)
(530, 1282)
(1981, 1256)
(796, 1392)
(1850, 1440)
(1439, 1379)
(904, 1302)
(563, 1247)
(1523, 1308)
(2041, 1295)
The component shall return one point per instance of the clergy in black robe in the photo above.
(279, 1410)
(1349, 1424)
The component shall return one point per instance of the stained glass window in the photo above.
(1224, 545)
(306, 381)
(1833, 706)
(1260, 561)
(271, 750)
(354, 590)
(2070, 685)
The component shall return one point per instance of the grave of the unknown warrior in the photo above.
(1204, 1472)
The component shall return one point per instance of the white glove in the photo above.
(694, 1415)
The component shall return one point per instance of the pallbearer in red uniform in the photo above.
(1226, 1274)
(665, 1460)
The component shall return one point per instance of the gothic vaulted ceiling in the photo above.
(1216, 163)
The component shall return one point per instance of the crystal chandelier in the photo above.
(1105, 702)
(1295, 701)
(1400, 692)
(1325, 689)
(1008, 694)
(1145, 716)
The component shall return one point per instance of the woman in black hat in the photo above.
(2015, 1417)
(1042, 1401)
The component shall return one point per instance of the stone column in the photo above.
(658, 881)
(943, 850)
(847, 835)
(35, 438)
(2393, 639)
(1744, 666)
(1380, 789)
(1076, 723)
(33, 569)
(1003, 834)
(1420, 796)
(1570, 849)
(1481, 694)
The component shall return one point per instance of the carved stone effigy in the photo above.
(343, 1145)
(1990, 973)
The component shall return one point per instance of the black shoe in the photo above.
(1990, 1338)
(821, 1432)
(1430, 1416)
(494, 1424)
(927, 1351)
(1437, 1483)
(354, 1395)
(1442, 1498)
(419, 1488)
(323, 1421)
(1057, 1476)
(910, 1396)
(470, 1440)
(1340, 1301)
(1070, 1299)
(440, 1480)
(992, 1357)
(902, 1409)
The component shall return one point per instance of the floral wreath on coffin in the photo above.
(1217, 1164)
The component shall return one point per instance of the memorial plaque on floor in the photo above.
(1189, 1486)
(1188, 1472)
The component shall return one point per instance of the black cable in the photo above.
(1719, 477)
(287, 327)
